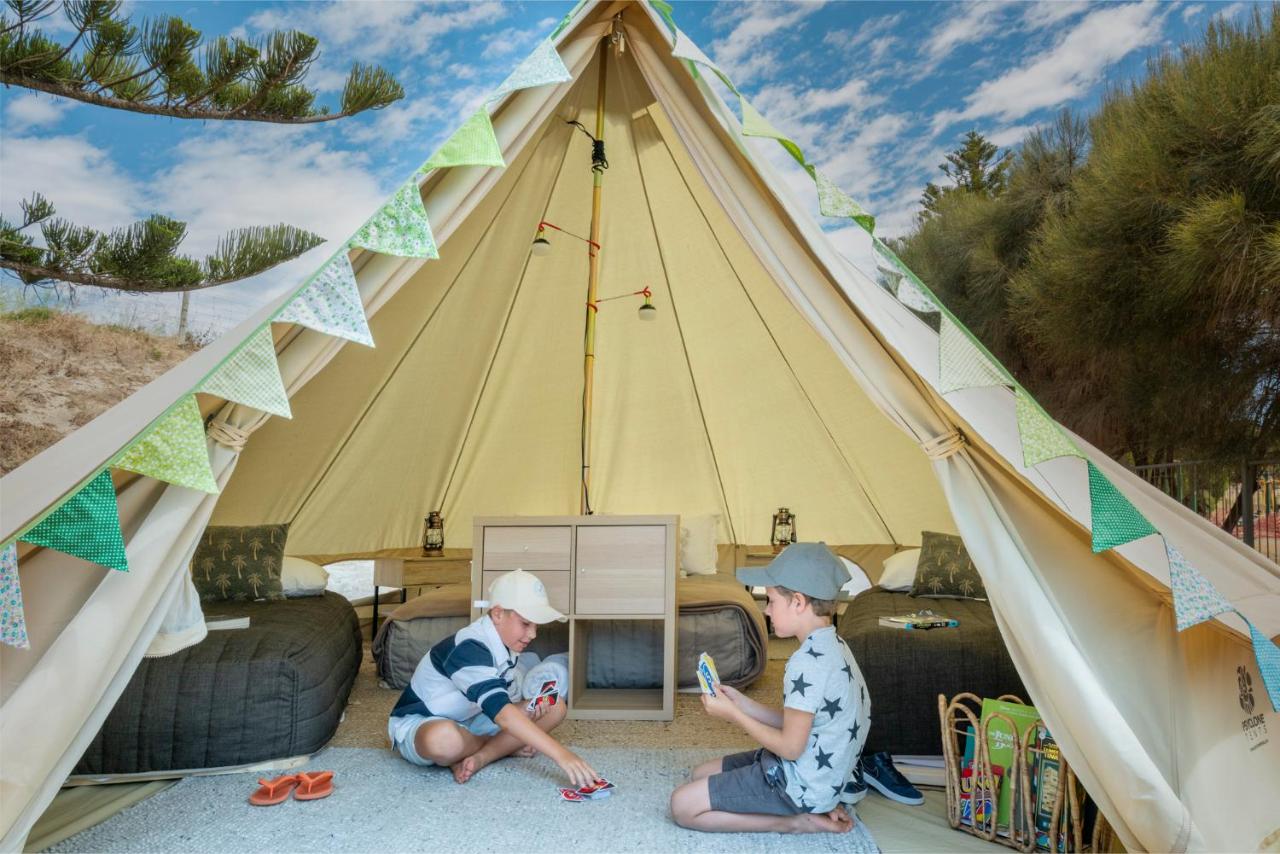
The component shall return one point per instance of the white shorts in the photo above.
(403, 732)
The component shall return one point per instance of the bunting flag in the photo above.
(86, 525)
(832, 201)
(685, 49)
(400, 228)
(664, 11)
(173, 450)
(541, 67)
(473, 144)
(1113, 519)
(331, 304)
(13, 625)
(754, 124)
(960, 363)
(902, 282)
(1195, 599)
(564, 22)
(1042, 438)
(1268, 655)
(252, 377)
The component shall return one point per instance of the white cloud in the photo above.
(1067, 71)
(30, 110)
(974, 22)
(1039, 16)
(742, 54)
(1012, 135)
(79, 179)
(1191, 11)
(1230, 11)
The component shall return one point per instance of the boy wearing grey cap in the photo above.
(802, 775)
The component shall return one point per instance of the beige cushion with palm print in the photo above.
(240, 563)
(945, 570)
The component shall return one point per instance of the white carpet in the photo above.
(382, 803)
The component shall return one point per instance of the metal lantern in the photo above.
(433, 534)
(784, 529)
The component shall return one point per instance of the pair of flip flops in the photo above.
(303, 786)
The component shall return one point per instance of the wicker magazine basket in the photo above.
(1066, 828)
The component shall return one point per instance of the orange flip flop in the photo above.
(312, 787)
(275, 791)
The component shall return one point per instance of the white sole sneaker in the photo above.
(890, 793)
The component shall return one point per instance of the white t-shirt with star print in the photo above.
(823, 678)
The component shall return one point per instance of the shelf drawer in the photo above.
(622, 569)
(557, 584)
(537, 549)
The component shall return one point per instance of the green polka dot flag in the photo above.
(1114, 520)
(86, 525)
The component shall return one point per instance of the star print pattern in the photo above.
(823, 679)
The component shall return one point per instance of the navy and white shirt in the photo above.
(462, 676)
(823, 678)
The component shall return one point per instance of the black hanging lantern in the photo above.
(433, 534)
(784, 529)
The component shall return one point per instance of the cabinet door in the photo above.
(526, 547)
(622, 569)
(557, 584)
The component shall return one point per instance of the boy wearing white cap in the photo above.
(457, 708)
(801, 777)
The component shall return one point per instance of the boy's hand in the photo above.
(720, 706)
(536, 712)
(575, 768)
(729, 691)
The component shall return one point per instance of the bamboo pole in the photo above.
(593, 281)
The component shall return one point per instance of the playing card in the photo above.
(708, 678)
(599, 789)
(571, 795)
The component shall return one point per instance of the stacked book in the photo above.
(919, 620)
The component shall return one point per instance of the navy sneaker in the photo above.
(878, 771)
(856, 789)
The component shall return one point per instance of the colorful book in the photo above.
(970, 802)
(919, 620)
(1000, 745)
(1046, 774)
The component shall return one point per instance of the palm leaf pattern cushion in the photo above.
(239, 563)
(945, 570)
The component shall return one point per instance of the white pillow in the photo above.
(858, 580)
(698, 544)
(302, 577)
(900, 571)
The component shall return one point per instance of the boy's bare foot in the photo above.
(526, 751)
(466, 768)
(836, 821)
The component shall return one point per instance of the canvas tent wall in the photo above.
(1149, 717)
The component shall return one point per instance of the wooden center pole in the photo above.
(593, 281)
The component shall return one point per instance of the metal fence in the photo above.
(1240, 497)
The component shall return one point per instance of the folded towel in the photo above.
(553, 667)
(525, 662)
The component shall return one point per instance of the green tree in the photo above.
(976, 168)
(153, 68)
(1153, 292)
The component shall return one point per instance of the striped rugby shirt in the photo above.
(462, 676)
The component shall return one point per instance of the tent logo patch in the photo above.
(1245, 682)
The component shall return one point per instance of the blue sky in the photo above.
(875, 93)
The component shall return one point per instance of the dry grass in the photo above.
(61, 371)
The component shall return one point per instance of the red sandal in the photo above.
(313, 786)
(275, 791)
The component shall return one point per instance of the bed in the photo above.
(716, 615)
(274, 690)
(906, 671)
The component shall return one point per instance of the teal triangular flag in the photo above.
(960, 363)
(86, 525)
(1195, 599)
(400, 227)
(540, 68)
(1113, 520)
(834, 202)
(473, 144)
(174, 450)
(754, 124)
(252, 377)
(1268, 655)
(1042, 438)
(331, 304)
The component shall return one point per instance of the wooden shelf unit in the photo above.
(596, 569)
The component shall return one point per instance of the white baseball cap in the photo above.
(524, 593)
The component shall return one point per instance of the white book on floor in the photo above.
(217, 623)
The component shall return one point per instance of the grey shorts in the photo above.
(751, 782)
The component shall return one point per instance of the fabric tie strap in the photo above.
(941, 447)
(226, 435)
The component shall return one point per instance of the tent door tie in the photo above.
(228, 436)
(941, 447)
